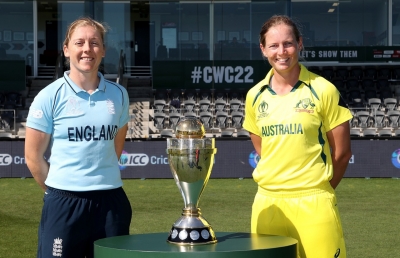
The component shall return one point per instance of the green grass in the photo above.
(370, 212)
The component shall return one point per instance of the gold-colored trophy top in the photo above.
(189, 128)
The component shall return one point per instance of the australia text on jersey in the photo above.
(281, 129)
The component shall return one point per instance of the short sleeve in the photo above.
(40, 113)
(250, 117)
(125, 109)
(335, 111)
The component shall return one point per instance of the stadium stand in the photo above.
(372, 94)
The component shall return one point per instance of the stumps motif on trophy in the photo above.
(191, 157)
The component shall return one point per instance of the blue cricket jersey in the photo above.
(82, 128)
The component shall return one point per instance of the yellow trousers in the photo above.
(311, 216)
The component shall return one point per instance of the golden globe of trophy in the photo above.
(191, 157)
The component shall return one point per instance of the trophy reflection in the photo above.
(191, 157)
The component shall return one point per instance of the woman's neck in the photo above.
(86, 81)
(282, 83)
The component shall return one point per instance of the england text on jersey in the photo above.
(91, 133)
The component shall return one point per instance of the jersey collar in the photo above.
(304, 77)
(76, 89)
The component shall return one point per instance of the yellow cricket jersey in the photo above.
(295, 152)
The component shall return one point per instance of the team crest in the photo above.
(110, 107)
(305, 105)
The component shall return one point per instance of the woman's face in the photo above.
(85, 50)
(281, 48)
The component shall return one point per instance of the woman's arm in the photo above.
(339, 141)
(119, 140)
(256, 140)
(36, 143)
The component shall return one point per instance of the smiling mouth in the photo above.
(282, 59)
(87, 58)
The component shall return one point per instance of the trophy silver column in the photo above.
(191, 157)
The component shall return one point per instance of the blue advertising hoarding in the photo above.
(234, 159)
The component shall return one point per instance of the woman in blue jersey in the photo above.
(299, 126)
(83, 119)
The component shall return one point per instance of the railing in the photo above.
(59, 70)
(139, 72)
(121, 67)
(15, 118)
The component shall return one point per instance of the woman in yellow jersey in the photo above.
(299, 125)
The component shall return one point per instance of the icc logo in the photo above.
(5, 159)
(262, 108)
(396, 158)
(253, 159)
(136, 159)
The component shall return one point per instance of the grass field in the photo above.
(370, 211)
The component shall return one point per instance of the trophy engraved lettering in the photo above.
(191, 157)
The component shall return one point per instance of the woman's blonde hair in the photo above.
(82, 22)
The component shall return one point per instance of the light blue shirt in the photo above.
(82, 128)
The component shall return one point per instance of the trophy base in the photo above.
(191, 236)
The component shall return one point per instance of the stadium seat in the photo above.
(174, 118)
(352, 83)
(367, 83)
(205, 94)
(242, 133)
(235, 105)
(221, 119)
(393, 116)
(5, 135)
(226, 133)
(370, 72)
(207, 119)
(371, 93)
(327, 72)
(384, 72)
(355, 132)
(390, 103)
(220, 105)
(396, 133)
(204, 105)
(354, 122)
(220, 94)
(7, 117)
(237, 119)
(374, 103)
(396, 73)
(364, 118)
(342, 72)
(159, 105)
(385, 91)
(379, 119)
(159, 119)
(190, 115)
(190, 94)
(369, 132)
(15, 98)
(166, 133)
(357, 72)
(175, 94)
(385, 133)
(189, 105)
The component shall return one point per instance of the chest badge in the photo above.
(73, 106)
(305, 105)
